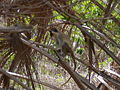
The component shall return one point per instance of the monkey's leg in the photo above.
(59, 51)
(67, 50)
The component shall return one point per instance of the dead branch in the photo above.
(15, 29)
(39, 82)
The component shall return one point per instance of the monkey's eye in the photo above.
(54, 30)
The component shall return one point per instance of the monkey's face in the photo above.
(53, 32)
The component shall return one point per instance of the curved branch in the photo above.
(13, 78)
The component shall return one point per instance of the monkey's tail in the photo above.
(66, 81)
(74, 67)
(70, 76)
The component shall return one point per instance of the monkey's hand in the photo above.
(60, 52)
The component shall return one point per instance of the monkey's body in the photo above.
(63, 43)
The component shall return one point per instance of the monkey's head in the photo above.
(53, 32)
